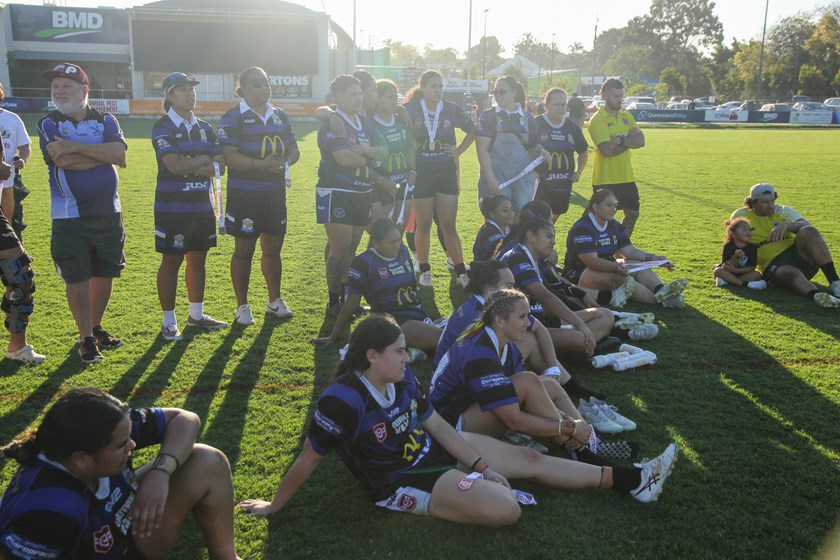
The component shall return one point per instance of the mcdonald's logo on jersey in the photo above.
(397, 162)
(559, 162)
(406, 296)
(363, 173)
(272, 142)
(438, 147)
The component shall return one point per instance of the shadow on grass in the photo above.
(123, 388)
(207, 382)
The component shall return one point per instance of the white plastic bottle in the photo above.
(608, 359)
(630, 349)
(634, 361)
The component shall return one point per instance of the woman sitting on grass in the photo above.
(407, 458)
(499, 216)
(384, 275)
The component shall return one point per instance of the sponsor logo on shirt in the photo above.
(103, 540)
(400, 424)
(494, 380)
(381, 432)
(327, 424)
(406, 502)
(383, 273)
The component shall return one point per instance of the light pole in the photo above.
(484, 54)
(594, 38)
(551, 74)
(469, 51)
(761, 54)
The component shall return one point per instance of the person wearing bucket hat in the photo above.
(82, 148)
(790, 250)
(185, 227)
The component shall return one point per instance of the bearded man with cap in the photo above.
(790, 250)
(81, 148)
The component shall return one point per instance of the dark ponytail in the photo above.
(532, 210)
(597, 197)
(375, 332)
(416, 93)
(484, 274)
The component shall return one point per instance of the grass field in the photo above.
(747, 383)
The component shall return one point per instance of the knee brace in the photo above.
(18, 303)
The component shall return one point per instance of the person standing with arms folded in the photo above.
(188, 158)
(259, 146)
(614, 133)
(81, 147)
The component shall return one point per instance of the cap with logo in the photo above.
(176, 79)
(763, 191)
(69, 71)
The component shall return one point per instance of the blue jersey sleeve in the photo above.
(47, 131)
(524, 273)
(581, 239)
(147, 426)
(489, 382)
(289, 137)
(229, 133)
(112, 132)
(333, 143)
(162, 141)
(42, 535)
(334, 422)
(358, 275)
(486, 126)
(581, 145)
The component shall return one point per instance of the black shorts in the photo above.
(557, 194)
(334, 206)
(548, 320)
(178, 234)
(86, 247)
(790, 257)
(573, 273)
(436, 178)
(251, 213)
(626, 193)
(8, 239)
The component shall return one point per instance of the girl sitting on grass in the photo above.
(740, 257)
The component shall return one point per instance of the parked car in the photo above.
(637, 99)
(641, 106)
(800, 98)
(833, 102)
(810, 106)
(677, 106)
(729, 106)
(751, 105)
(776, 107)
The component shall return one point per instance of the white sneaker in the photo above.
(611, 412)
(675, 302)
(595, 417)
(720, 282)
(416, 263)
(626, 320)
(425, 279)
(27, 355)
(170, 332)
(834, 288)
(463, 280)
(757, 284)
(621, 294)
(643, 331)
(825, 300)
(449, 264)
(671, 290)
(278, 308)
(654, 474)
(244, 315)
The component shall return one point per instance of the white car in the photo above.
(810, 106)
(833, 102)
(729, 106)
(641, 106)
(677, 106)
(776, 107)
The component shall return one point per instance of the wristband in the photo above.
(166, 463)
(553, 370)
(472, 467)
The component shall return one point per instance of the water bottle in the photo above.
(630, 349)
(634, 361)
(608, 359)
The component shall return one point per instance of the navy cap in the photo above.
(176, 79)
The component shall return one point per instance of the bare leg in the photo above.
(792, 278)
(195, 276)
(446, 206)
(629, 221)
(484, 503)
(271, 263)
(421, 335)
(240, 267)
(78, 298)
(100, 295)
(423, 217)
(811, 245)
(167, 280)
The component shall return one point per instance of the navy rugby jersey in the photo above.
(399, 139)
(48, 513)
(331, 175)
(388, 285)
(173, 135)
(378, 439)
(521, 123)
(80, 194)
(586, 236)
(473, 371)
(562, 142)
(488, 240)
(451, 117)
(527, 271)
(256, 136)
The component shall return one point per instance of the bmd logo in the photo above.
(70, 24)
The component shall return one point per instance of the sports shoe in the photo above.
(523, 440)
(611, 412)
(621, 294)
(416, 263)
(675, 302)
(425, 279)
(27, 355)
(104, 339)
(757, 285)
(449, 264)
(278, 308)
(654, 474)
(834, 288)
(671, 290)
(463, 280)
(626, 320)
(643, 331)
(170, 332)
(596, 418)
(206, 322)
(617, 449)
(244, 315)
(334, 310)
(720, 282)
(89, 350)
(826, 300)
(607, 344)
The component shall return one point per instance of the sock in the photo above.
(334, 298)
(586, 456)
(196, 310)
(409, 240)
(572, 387)
(425, 267)
(169, 317)
(755, 284)
(810, 295)
(460, 269)
(604, 297)
(626, 479)
(658, 287)
(830, 273)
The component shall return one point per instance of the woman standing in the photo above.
(562, 138)
(506, 142)
(188, 157)
(399, 168)
(436, 188)
(259, 145)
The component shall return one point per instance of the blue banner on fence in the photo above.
(667, 115)
(27, 104)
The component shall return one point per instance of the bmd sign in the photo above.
(69, 25)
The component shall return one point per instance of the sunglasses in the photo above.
(498, 91)
(259, 82)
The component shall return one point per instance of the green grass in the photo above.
(747, 383)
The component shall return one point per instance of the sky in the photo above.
(424, 22)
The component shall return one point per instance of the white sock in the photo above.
(197, 310)
(169, 317)
(756, 284)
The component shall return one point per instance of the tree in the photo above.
(402, 54)
(674, 81)
(493, 55)
(824, 44)
(440, 58)
(684, 25)
(812, 81)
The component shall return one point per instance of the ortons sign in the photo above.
(291, 87)
(69, 25)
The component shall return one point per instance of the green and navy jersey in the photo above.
(332, 175)
(173, 135)
(81, 194)
(475, 369)
(562, 143)
(257, 136)
(399, 139)
(451, 117)
(379, 439)
(48, 513)
(488, 240)
(586, 236)
(388, 285)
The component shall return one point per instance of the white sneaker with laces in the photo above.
(621, 294)
(595, 417)
(27, 355)
(611, 412)
(416, 263)
(834, 288)
(463, 280)
(170, 332)
(654, 474)
(825, 300)
(278, 308)
(671, 290)
(244, 315)
(757, 284)
(643, 331)
(206, 322)
(425, 279)
(720, 282)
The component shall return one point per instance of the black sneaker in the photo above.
(105, 340)
(608, 344)
(334, 310)
(89, 351)
(617, 449)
